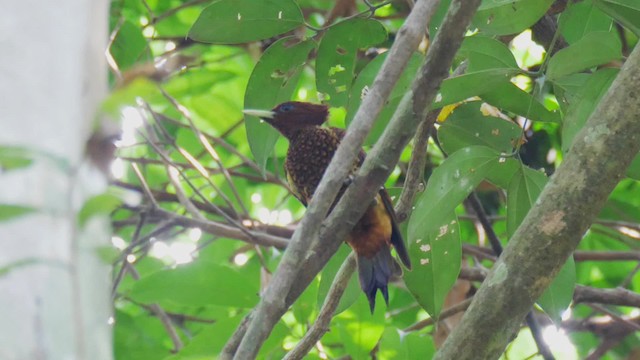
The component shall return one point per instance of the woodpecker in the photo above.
(311, 148)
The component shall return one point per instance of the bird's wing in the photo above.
(294, 190)
(396, 235)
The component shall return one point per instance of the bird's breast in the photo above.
(307, 159)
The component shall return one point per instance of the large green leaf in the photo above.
(627, 12)
(524, 188)
(433, 229)
(508, 96)
(241, 21)
(467, 126)
(365, 80)
(486, 53)
(584, 102)
(200, 283)
(581, 18)
(557, 297)
(272, 81)
(502, 17)
(462, 87)
(337, 55)
(449, 185)
(593, 49)
(436, 255)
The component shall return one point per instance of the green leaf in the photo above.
(486, 53)
(14, 157)
(503, 17)
(397, 345)
(328, 274)
(360, 330)
(128, 46)
(10, 212)
(199, 283)
(337, 55)
(557, 297)
(272, 81)
(634, 169)
(436, 254)
(584, 102)
(209, 341)
(524, 188)
(365, 80)
(449, 185)
(593, 49)
(462, 87)
(626, 12)
(468, 126)
(102, 204)
(581, 18)
(242, 21)
(508, 96)
(432, 229)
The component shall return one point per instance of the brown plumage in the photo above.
(311, 148)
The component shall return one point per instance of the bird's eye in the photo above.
(286, 107)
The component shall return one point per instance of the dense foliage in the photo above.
(201, 210)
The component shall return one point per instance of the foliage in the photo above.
(215, 214)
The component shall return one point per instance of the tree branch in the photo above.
(273, 304)
(321, 325)
(569, 203)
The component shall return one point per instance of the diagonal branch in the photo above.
(273, 304)
(568, 205)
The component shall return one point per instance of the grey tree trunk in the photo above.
(54, 290)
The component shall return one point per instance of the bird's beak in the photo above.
(262, 114)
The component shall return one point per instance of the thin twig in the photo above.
(331, 301)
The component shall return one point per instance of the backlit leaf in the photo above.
(272, 81)
(337, 55)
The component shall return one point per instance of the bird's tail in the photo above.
(375, 272)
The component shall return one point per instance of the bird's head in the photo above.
(292, 116)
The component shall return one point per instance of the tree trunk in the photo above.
(55, 301)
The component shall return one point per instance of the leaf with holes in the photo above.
(242, 21)
(432, 228)
(468, 126)
(436, 255)
(272, 81)
(337, 55)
